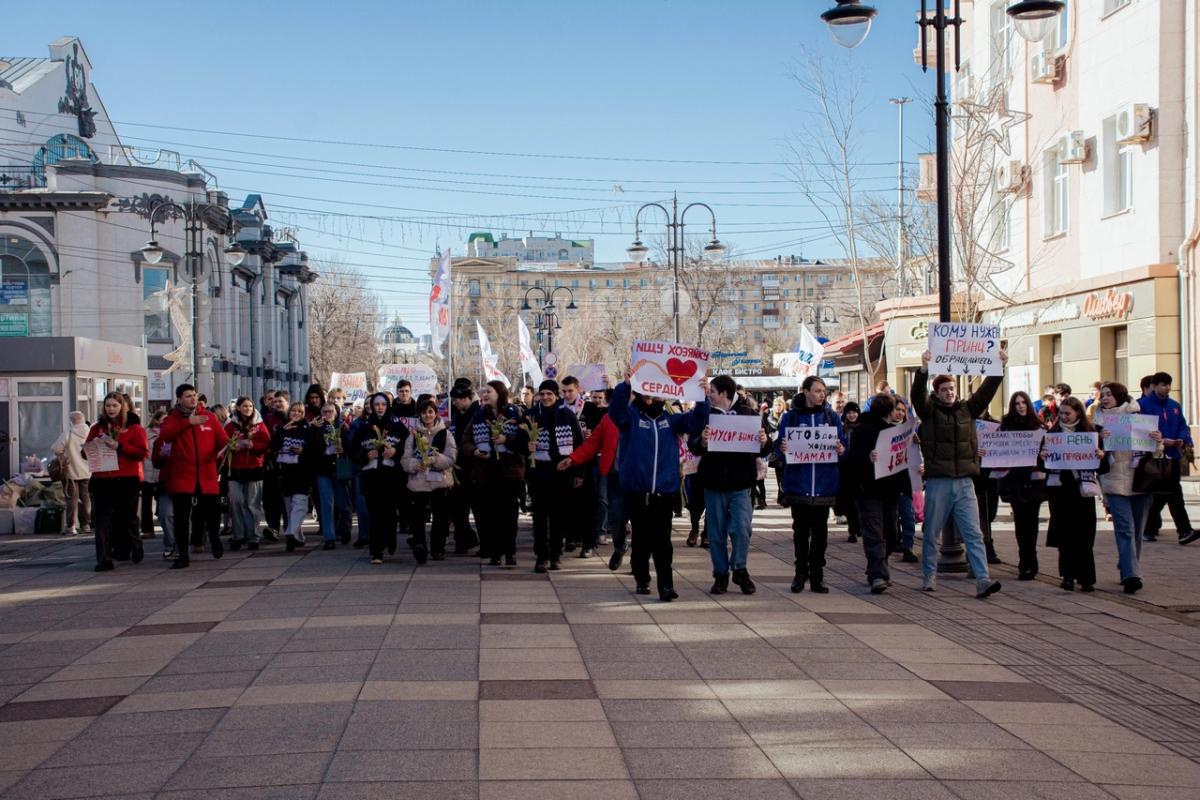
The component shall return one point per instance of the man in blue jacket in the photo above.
(1173, 429)
(648, 462)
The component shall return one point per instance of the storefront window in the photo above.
(1121, 355)
(1056, 360)
(24, 289)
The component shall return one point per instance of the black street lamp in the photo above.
(546, 321)
(849, 23)
(675, 246)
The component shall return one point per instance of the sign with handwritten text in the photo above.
(1071, 451)
(964, 348)
(734, 433)
(811, 445)
(1127, 432)
(669, 370)
(1005, 449)
(891, 449)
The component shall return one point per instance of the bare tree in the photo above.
(604, 332)
(824, 161)
(344, 318)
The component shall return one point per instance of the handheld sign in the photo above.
(1071, 451)
(811, 445)
(1005, 449)
(100, 457)
(591, 376)
(734, 433)
(892, 449)
(1127, 432)
(422, 378)
(354, 384)
(983, 426)
(964, 348)
(669, 370)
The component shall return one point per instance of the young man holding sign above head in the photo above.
(729, 448)
(648, 461)
(810, 442)
(950, 450)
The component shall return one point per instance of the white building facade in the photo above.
(75, 211)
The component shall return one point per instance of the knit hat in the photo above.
(461, 389)
(548, 386)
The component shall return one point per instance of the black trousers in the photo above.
(582, 503)
(379, 488)
(650, 517)
(1173, 502)
(437, 504)
(113, 504)
(461, 504)
(988, 499)
(810, 538)
(1073, 519)
(272, 499)
(877, 524)
(498, 507)
(695, 503)
(758, 493)
(1025, 519)
(148, 492)
(193, 514)
(551, 500)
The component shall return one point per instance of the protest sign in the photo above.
(1071, 451)
(1127, 432)
(983, 426)
(100, 457)
(591, 376)
(915, 480)
(734, 433)
(354, 384)
(816, 444)
(1005, 449)
(892, 449)
(669, 370)
(964, 348)
(422, 378)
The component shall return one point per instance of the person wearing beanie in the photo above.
(462, 495)
(557, 435)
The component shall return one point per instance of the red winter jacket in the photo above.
(132, 450)
(194, 450)
(603, 440)
(260, 442)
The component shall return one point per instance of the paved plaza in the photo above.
(316, 675)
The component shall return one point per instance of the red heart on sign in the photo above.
(679, 371)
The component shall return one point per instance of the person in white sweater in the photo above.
(76, 474)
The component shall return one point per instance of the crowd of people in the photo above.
(451, 475)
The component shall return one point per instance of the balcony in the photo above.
(22, 176)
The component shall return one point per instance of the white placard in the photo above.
(1071, 451)
(734, 433)
(669, 370)
(1006, 449)
(1127, 432)
(892, 449)
(422, 378)
(591, 376)
(964, 348)
(354, 384)
(158, 386)
(815, 444)
(100, 457)
(983, 426)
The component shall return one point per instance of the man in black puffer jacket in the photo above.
(727, 479)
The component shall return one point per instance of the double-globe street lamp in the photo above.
(546, 321)
(675, 245)
(849, 23)
(195, 215)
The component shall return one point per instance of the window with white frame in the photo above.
(1001, 226)
(1057, 194)
(1060, 36)
(1117, 167)
(1002, 50)
(1112, 5)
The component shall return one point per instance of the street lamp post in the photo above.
(849, 23)
(820, 313)
(193, 214)
(675, 245)
(546, 320)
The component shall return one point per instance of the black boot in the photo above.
(817, 584)
(798, 582)
(720, 584)
(992, 558)
(741, 577)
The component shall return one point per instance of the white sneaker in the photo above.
(839, 520)
(929, 583)
(986, 586)
(71, 532)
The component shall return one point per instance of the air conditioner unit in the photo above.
(1134, 123)
(1044, 67)
(1072, 148)
(1010, 177)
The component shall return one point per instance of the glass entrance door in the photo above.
(37, 414)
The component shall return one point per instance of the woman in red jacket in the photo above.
(249, 441)
(196, 439)
(601, 444)
(116, 448)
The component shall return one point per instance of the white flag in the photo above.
(808, 354)
(491, 364)
(439, 305)
(529, 362)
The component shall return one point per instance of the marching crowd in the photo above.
(617, 467)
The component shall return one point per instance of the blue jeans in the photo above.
(945, 497)
(325, 491)
(360, 510)
(166, 519)
(729, 516)
(908, 521)
(245, 508)
(1129, 513)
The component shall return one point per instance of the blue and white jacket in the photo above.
(809, 484)
(648, 454)
(1171, 422)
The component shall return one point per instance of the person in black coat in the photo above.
(874, 499)
(463, 409)
(553, 478)
(292, 447)
(377, 446)
(1024, 488)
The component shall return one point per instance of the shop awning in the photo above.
(844, 345)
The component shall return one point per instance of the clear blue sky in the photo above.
(704, 80)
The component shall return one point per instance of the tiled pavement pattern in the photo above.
(316, 675)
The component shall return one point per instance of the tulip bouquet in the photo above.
(496, 428)
(423, 449)
(531, 429)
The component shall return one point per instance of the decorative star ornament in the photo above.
(993, 115)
